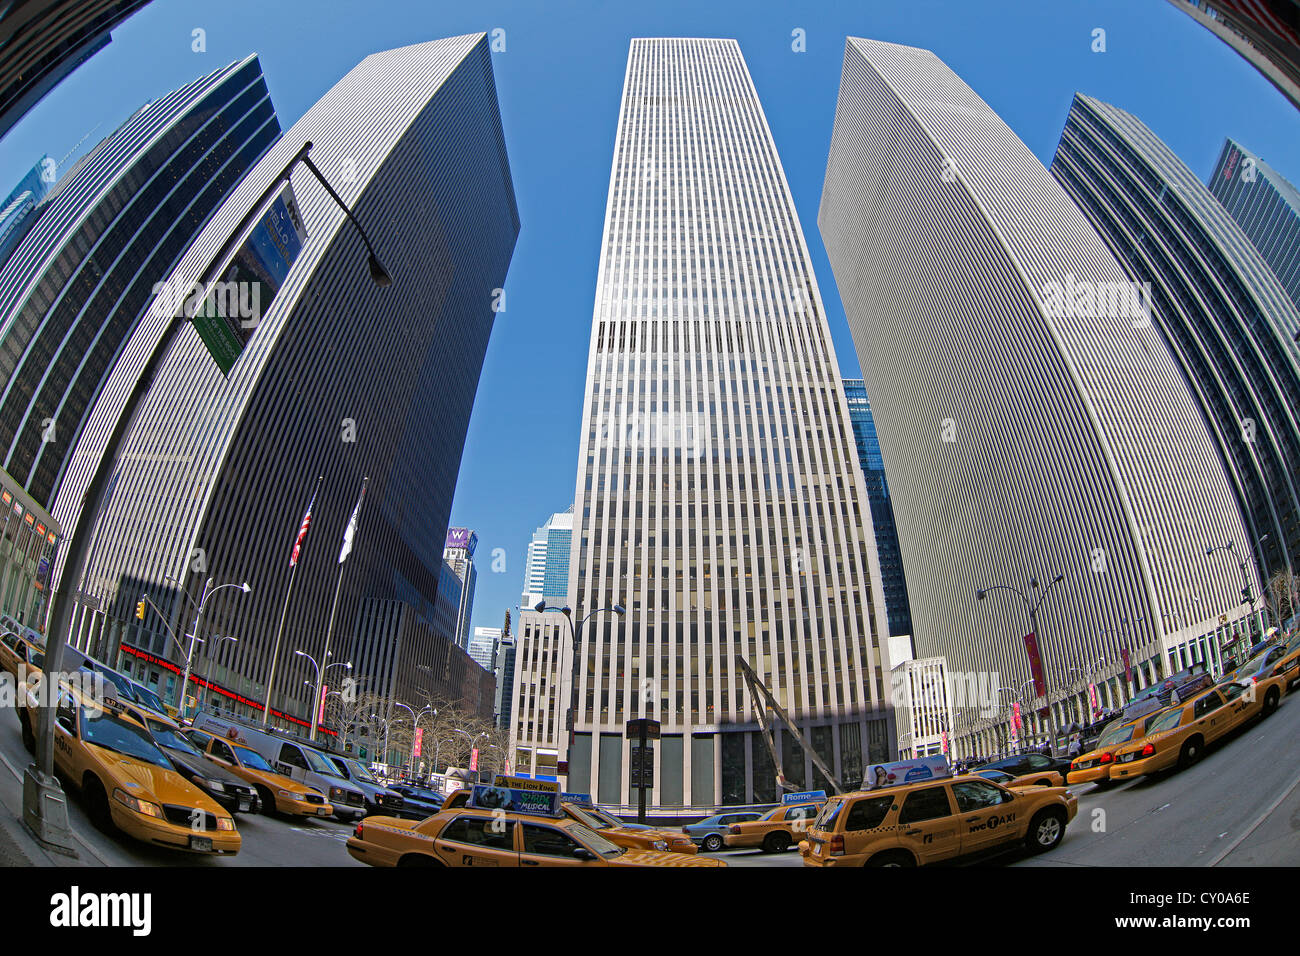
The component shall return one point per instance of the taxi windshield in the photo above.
(166, 736)
(120, 736)
(1168, 721)
(594, 841)
(318, 763)
(361, 773)
(580, 813)
(252, 759)
(607, 817)
(1116, 735)
(149, 698)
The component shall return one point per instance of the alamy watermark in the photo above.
(234, 301)
(1080, 299)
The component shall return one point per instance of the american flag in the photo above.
(302, 531)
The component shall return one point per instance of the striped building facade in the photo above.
(1031, 418)
(215, 475)
(717, 497)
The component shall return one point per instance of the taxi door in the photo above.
(927, 824)
(478, 840)
(545, 845)
(988, 818)
(1210, 716)
(68, 750)
(1243, 703)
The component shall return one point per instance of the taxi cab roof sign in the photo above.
(805, 796)
(899, 772)
(525, 783)
(578, 799)
(512, 800)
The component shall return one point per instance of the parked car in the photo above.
(1174, 689)
(379, 798)
(708, 833)
(418, 802)
(1026, 764)
(231, 792)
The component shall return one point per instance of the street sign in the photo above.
(641, 768)
(643, 727)
(419, 741)
(562, 768)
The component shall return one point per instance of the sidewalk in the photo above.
(17, 845)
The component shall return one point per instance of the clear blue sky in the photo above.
(559, 81)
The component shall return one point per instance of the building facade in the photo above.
(78, 283)
(1267, 208)
(537, 694)
(458, 558)
(892, 579)
(1265, 32)
(483, 646)
(546, 571)
(1035, 424)
(924, 707)
(718, 500)
(216, 473)
(504, 668)
(1226, 318)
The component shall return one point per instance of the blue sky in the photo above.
(559, 81)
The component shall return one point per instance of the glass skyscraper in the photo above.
(892, 578)
(1228, 321)
(546, 571)
(717, 498)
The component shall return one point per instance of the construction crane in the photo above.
(758, 692)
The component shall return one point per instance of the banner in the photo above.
(515, 801)
(1128, 667)
(419, 741)
(320, 712)
(473, 760)
(905, 771)
(1094, 701)
(944, 738)
(1035, 665)
(1015, 718)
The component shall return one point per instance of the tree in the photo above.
(1281, 591)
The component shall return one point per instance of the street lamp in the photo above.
(542, 607)
(1031, 606)
(201, 604)
(317, 700)
(1248, 596)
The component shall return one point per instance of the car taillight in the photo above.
(837, 844)
(735, 828)
(358, 832)
(1107, 757)
(1148, 750)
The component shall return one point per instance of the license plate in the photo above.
(1125, 758)
(244, 805)
(201, 843)
(323, 811)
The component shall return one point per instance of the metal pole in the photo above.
(284, 612)
(329, 636)
(189, 655)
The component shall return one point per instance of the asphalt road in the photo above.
(1240, 806)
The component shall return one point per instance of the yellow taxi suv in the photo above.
(1179, 736)
(616, 831)
(775, 831)
(1096, 764)
(127, 782)
(936, 821)
(276, 792)
(495, 830)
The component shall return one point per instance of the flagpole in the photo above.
(284, 611)
(348, 535)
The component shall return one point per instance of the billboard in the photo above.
(880, 775)
(234, 306)
(462, 538)
(546, 802)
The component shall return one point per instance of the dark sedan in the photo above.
(1022, 765)
(418, 803)
(234, 794)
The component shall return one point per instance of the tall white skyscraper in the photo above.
(546, 572)
(718, 496)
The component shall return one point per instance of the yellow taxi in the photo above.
(1096, 764)
(17, 649)
(500, 835)
(775, 831)
(934, 821)
(1179, 736)
(277, 792)
(128, 783)
(631, 838)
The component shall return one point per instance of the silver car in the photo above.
(707, 834)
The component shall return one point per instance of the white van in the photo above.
(298, 761)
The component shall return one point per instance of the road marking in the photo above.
(1258, 820)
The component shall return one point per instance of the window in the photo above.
(292, 756)
(868, 814)
(973, 795)
(221, 751)
(546, 841)
(1232, 691)
(486, 832)
(1204, 705)
(801, 813)
(928, 804)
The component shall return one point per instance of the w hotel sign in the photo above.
(462, 538)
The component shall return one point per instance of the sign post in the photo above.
(642, 767)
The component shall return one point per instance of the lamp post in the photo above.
(316, 700)
(542, 607)
(201, 604)
(1248, 596)
(1031, 607)
(473, 740)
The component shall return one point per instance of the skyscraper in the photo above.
(483, 646)
(217, 471)
(1228, 321)
(717, 499)
(892, 580)
(1267, 208)
(1034, 421)
(458, 555)
(1265, 32)
(546, 571)
(76, 287)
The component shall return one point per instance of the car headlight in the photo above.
(225, 823)
(139, 806)
(216, 785)
(336, 793)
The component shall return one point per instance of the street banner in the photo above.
(419, 741)
(944, 737)
(473, 760)
(805, 796)
(1035, 665)
(1128, 667)
(905, 771)
(320, 711)
(1094, 701)
(1015, 717)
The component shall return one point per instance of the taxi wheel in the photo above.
(776, 842)
(712, 843)
(97, 805)
(1270, 701)
(891, 858)
(1045, 830)
(418, 859)
(1190, 753)
(29, 739)
(267, 798)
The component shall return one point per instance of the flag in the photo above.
(302, 530)
(351, 531)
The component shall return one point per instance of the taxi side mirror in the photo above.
(582, 853)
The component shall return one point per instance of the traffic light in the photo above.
(139, 610)
(1245, 595)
